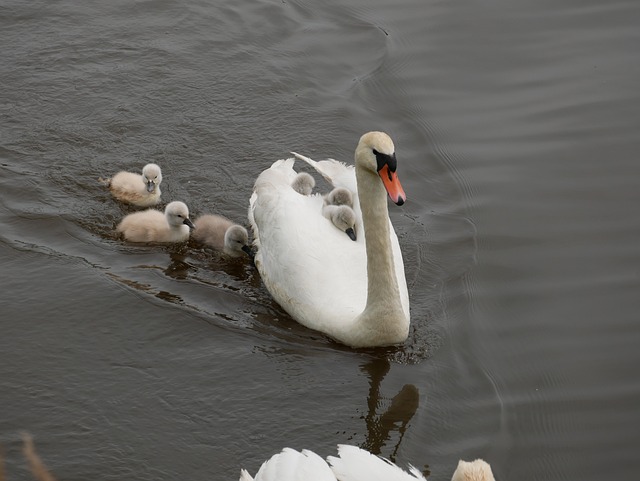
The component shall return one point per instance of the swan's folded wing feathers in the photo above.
(283, 220)
(337, 173)
(292, 465)
(355, 464)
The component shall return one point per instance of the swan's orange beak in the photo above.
(392, 184)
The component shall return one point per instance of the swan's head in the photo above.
(344, 218)
(177, 214)
(152, 176)
(303, 183)
(376, 153)
(477, 470)
(340, 196)
(236, 241)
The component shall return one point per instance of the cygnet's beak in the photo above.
(247, 250)
(189, 223)
(151, 186)
(351, 233)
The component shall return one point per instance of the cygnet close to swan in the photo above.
(222, 234)
(355, 292)
(303, 183)
(352, 464)
(343, 217)
(152, 225)
(140, 190)
(339, 196)
(338, 206)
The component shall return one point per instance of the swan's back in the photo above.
(352, 464)
(355, 464)
(291, 465)
(302, 281)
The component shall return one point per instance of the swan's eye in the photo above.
(386, 159)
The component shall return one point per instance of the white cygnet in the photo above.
(140, 190)
(303, 183)
(339, 196)
(478, 470)
(343, 217)
(222, 234)
(153, 226)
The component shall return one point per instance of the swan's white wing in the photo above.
(291, 465)
(355, 464)
(339, 174)
(311, 268)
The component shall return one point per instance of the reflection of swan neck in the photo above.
(383, 310)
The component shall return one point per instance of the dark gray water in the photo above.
(517, 132)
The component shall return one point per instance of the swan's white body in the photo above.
(140, 190)
(313, 270)
(352, 464)
(222, 234)
(154, 226)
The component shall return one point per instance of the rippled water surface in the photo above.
(516, 126)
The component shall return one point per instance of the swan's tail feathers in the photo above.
(245, 476)
(285, 164)
(106, 182)
(354, 463)
(309, 161)
(291, 465)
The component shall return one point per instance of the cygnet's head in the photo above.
(340, 196)
(344, 219)
(477, 470)
(152, 176)
(177, 214)
(303, 183)
(236, 241)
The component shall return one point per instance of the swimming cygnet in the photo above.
(339, 196)
(303, 183)
(343, 217)
(222, 234)
(478, 470)
(153, 226)
(141, 190)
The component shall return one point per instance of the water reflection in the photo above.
(178, 268)
(396, 417)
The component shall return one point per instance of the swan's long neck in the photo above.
(383, 313)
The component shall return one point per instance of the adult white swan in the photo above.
(355, 292)
(352, 464)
